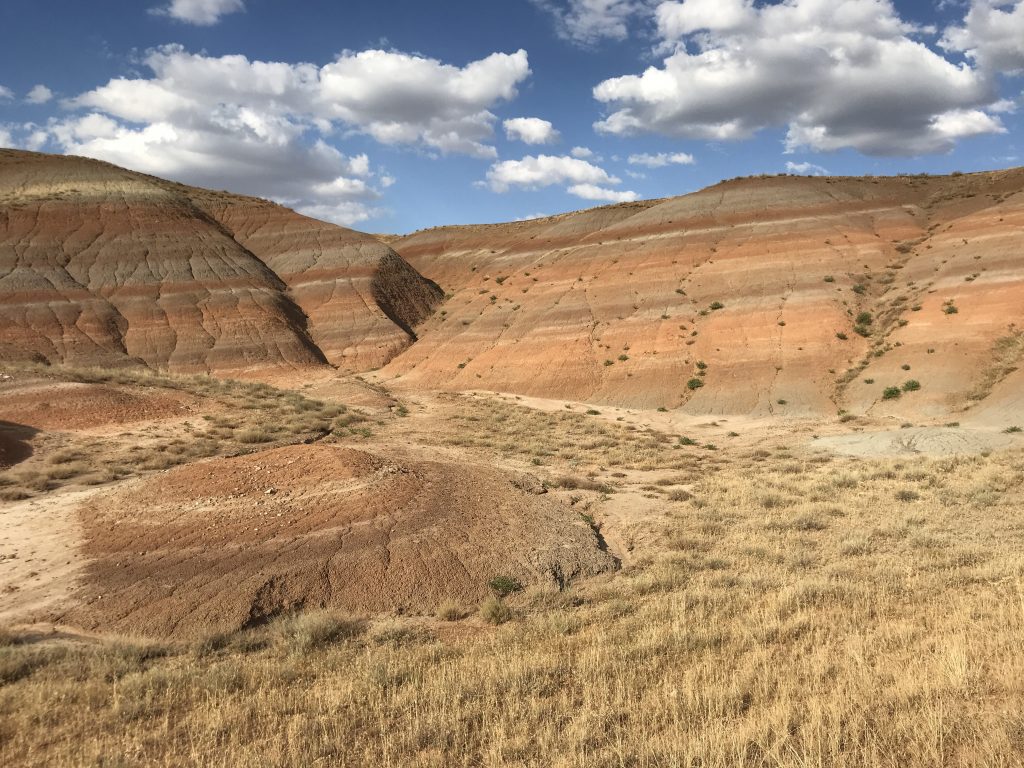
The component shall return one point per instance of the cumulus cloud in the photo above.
(992, 35)
(202, 13)
(260, 127)
(661, 159)
(806, 169)
(676, 20)
(530, 130)
(594, 192)
(587, 22)
(6, 93)
(581, 178)
(836, 75)
(535, 171)
(40, 94)
(583, 153)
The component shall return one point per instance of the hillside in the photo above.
(776, 295)
(103, 266)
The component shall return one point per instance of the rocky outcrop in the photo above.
(103, 266)
(790, 295)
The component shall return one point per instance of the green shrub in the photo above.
(891, 393)
(504, 585)
(911, 385)
(694, 384)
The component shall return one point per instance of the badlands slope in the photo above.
(761, 280)
(103, 266)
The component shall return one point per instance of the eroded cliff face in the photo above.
(758, 289)
(103, 266)
(788, 295)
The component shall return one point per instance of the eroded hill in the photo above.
(103, 266)
(786, 295)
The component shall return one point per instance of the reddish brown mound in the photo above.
(224, 544)
(70, 405)
(762, 280)
(102, 266)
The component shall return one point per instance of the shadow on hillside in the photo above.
(14, 443)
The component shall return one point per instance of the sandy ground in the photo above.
(41, 559)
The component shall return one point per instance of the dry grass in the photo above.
(795, 614)
(567, 437)
(238, 417)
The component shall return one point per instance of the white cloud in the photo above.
(394, 97)
(661, 159)
(583, 153)
(40, 94)
(594, 192)
(587, 22)
(260, 127)
(532, 216)
(402, 99)
(992, 35)
(6, 93)
(530, 130)
(676, 20)
(837, 75)
(806, 169)
(537, 171)
(345, 212)
(203, 13)
(23, 136)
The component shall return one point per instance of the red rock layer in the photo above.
(101, 266)
(622, 304)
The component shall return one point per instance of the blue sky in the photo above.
(393, 116)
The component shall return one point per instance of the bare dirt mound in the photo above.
(73, 405)
(224, 544)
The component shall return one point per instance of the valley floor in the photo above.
(789, 593)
